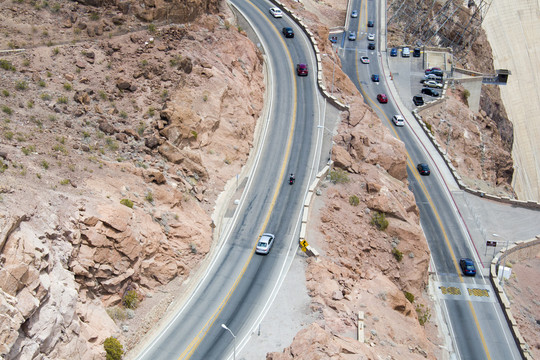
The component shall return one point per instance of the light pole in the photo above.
(234, 340)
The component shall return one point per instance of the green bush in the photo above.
(21, 85)
(379, 220)
(6, 65)
(113, 348)
(409, 296)
(339, 176)
(127, 203)
(423, 314)
(152, 28)
(428, 126)
(5, 93)
(45, 164)
(397, 254)
(353, 200)
(130, 300)
(466, 94)
(117, 313)
(7, 109)
(62, 100)
(68, 86)
(149, 197)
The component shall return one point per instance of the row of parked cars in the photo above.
(405, 52)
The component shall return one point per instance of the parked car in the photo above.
(467, 266)
(434, 71)
(364, 59)
(416, 52)
(371, 37)
(383, 99)
(302, 69)
(375, 77)
(393, 52)
(429, 70)
(370, 23)
(371, 46)
(418, 100)
(352, 35)
(276, 12)
(288, 32)
(265, 243)
(398, 120)
(423, 169)
(430, 92)
(333, 39)
(405, 52)
(433, 84)
(433, 77)
(354, 14)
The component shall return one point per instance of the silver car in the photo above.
(352, 36)
(371, 37)
(265, 243)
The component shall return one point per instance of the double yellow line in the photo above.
(188, 352)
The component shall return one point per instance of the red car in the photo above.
(301, 69)
(383, 99)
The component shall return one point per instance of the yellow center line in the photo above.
(412, 167)
(188, 352)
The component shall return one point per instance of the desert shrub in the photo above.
(423, 314)
(45, 164)
(152, 28)
(130, 300)
(56, 51)
(466, 94)
(353, 200)
(149, 196)
(6, 65)
(123, 114)
(409, 296)
(3, 166)
(30, 104)
(397, 254)
(28, 149)
(8, 135)
(5, 93)
(338, 176)
(62, 100)
(113, 348)
(112, 144)
(64, 182)
(378, 219)
(6, 109)
(428, 126)
(94, 16)
(68, 86)
(141, 128)
(21, 85)
(127, 203)
(45, 97)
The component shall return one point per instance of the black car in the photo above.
(288, 32)
(423, 169)
(430, 92)
(436, 72)
(416, 52)
(467, 267)
(418, 100)
(371, 46)
(370, 23)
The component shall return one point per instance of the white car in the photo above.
(371, 37)
(276, 12)
(265, 243)
(398, 120)
(364, 60)
(433, 84)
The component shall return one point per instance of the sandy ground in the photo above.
(513, 30)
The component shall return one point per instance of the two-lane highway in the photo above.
(239, 286)
(476, 322)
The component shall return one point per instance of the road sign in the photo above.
(491, 243)
(304, 243)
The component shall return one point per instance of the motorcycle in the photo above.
(291, 179)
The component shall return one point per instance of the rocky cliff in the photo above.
(113, 152)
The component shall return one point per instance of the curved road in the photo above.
(239, 285)
(477, 325)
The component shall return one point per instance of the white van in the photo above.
(406, 52)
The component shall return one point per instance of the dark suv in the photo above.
(430, 92)
(418, 100)
(288, 32)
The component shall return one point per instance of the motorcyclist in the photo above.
(291, 179)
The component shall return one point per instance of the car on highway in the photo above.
(276, 12)
(265, 243)
(352, 35)
(430, 92)
(418, 100)
(364, 59)
(398, 120)
(405, 52)
(371, 37)
(423, 169)
(467, 266)
(371, 46)
(302, 69)
(375, 77)
(370, 23)
(393, 52)
(288, 32)
(354, 14)
(383, 99)
(433, 84)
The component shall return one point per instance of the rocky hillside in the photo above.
(114, 148)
